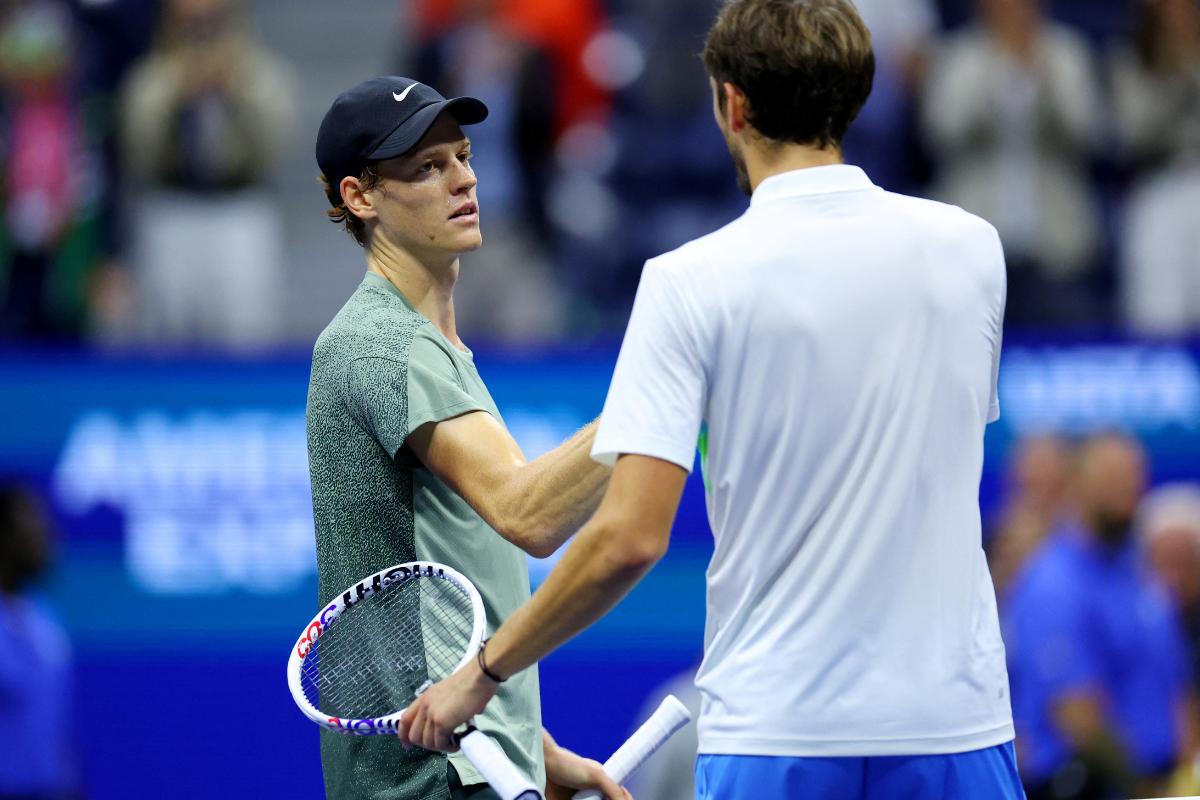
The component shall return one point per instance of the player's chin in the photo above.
(468, 240)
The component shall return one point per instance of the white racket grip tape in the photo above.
(670, 716)
(504, 778)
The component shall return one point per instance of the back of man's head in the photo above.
(805, 66)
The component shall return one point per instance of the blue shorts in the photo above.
(989, 774)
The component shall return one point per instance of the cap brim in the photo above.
(465, 110)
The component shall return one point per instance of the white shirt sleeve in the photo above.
(656, 400)
(994, 405)
(998, 338)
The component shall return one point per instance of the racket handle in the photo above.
(670, 716)
(500, 773)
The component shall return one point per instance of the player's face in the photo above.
(425, 199)
(733, 143)
(1111, 483)
(1175, 555)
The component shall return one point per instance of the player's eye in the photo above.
(426, 167)
(466, 156)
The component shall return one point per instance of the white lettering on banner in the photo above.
(215, 502)
(211, 502)
(1077, 389)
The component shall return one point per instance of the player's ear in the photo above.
(358, 200)
(735, 106)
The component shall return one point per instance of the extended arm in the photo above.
(536, 505)
(626, 537)
(1069, 99)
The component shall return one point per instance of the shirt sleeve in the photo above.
(994, 403)
(998, 331)
(656, 400)
(394, 397)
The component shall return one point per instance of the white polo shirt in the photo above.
(835, 350)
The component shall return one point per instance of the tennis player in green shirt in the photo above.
(409, 456)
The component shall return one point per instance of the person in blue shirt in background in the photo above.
(1096, 656)
(39, 760)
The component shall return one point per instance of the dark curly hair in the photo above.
(368, 179)
(806, 66)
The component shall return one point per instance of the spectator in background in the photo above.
(111, 36)
(883, 140)
(1169, 528)
(572, 229)
(563, 28)
(1096, 656)
(1035, 505)
(47, 178)
(511, 295)
(1156, 87)
(35, 663)
(1011, 112)
(668, 189)
(204, 114)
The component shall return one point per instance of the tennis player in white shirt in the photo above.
(834, 351)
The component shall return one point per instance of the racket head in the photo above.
(362, 659)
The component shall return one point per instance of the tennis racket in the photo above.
(670, 716)
(368, 654)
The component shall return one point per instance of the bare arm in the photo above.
(957, 110)
(628, 535)
(1189, 728)
(536, 505)
(1069, 98)
(149, 101)
(1080, 718)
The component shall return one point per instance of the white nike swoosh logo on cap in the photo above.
(400, 97)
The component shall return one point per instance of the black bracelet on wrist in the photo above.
(483, 664)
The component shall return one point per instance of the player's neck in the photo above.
(427, 284)
(767, 160)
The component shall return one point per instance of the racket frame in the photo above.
(352, 596)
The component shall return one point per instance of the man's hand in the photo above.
(432, 719)
(567, 773)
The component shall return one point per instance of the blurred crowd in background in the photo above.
(142, 144)
(1098, 586)
(151, 150)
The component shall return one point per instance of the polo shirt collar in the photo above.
(379, 282)
(811, 181)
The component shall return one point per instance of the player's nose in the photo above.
(464, 179)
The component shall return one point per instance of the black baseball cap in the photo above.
(383, 118)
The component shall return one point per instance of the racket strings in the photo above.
(371, 662)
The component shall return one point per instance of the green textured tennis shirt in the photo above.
(380, 370)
